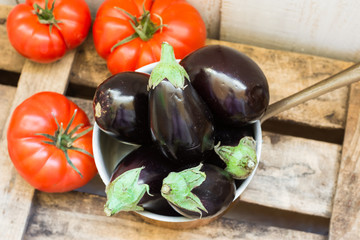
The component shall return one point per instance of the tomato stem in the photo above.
(143, 26)
(63, 139)
(46, 15)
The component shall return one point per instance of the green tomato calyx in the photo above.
(241, 159)
(125, 193)
(63, 139)
(177, 189)
(143, 26)
(168, 68)
(46, 15)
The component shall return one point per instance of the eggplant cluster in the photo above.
(191, 121)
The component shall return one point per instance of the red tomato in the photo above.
(182, 27)
(42, 161)
(62, 28)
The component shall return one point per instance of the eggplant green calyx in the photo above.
(168, 68)
(241, 159)
(63, 139)
(177, 187)
(124, 193)
(46, 15)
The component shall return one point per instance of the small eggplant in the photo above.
(202, 191)
(180, 121)
(231, 84)
(136, 183)
(120, 107)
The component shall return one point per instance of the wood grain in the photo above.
(210, 13)
(345, 220)
(324, 28)
(17, 195)
(64, 216)
(295, 174)
(7, 94)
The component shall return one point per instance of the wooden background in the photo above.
(307, 184)
(328, 28)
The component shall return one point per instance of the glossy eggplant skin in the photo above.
(120, 107)
(216, 193)
(156, 168)
(232, 85)
(180, 123)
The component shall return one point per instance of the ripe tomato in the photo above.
(51, 149)
(43, 30)
(129, 37)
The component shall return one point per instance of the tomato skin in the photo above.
(184, 29)
(43, 165)
(34, 40)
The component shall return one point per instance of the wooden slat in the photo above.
(6, 98)
(210, 13)
(16, 195)
(295, 174)
(64, 216)
(324, 28)
(345, 220)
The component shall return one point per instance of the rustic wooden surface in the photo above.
(345, 218)
(290, 197)
(324, 28)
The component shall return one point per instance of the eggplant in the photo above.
(180, 122)
(136, 183)
(120, 107)
(199, 192)
(231, 84)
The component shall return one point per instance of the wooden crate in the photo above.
(306, 187)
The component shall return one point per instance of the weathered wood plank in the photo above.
(210, 13)
(295, 174)
(345, 220)
(16, 195)
(324, 28)
(64, 216)
(7, 94)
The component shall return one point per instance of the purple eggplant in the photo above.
(202, 191)
(120, 107)
(180, 122)
(232, 85)
(136, 183)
